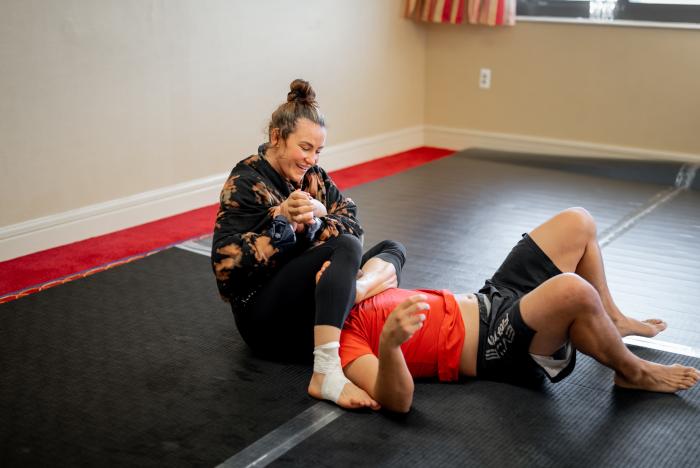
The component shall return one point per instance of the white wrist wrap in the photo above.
(327, 362)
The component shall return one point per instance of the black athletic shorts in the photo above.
(504, 338)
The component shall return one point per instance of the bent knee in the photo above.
(577, 226)
(577, 293)
(580, 220)
(349, 244)
(395, 248)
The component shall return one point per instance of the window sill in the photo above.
(588, 22)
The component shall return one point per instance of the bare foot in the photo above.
(352, 397)
(325, 265)
(659, 378)
(648, 328)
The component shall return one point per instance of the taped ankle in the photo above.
(327, 362)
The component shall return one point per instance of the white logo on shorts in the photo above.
(499, 340)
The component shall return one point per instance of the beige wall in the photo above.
(635, 87)
(102, 100)
(105, 99)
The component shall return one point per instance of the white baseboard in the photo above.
(458, 138)
(366, 149)
(102, 218)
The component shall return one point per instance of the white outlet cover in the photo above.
(485, 78)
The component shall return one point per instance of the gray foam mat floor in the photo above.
(141, 365)
(655, 268)
(583, 421)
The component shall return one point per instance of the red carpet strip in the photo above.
(41, 270)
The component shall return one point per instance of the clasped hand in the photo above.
(300, 208)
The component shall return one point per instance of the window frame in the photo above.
(626, 11)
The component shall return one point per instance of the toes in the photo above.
(364, 403)
(657, 323)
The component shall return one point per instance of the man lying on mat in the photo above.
(547, 300)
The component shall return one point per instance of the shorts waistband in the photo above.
(484, 313)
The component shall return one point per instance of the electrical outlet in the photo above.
(485, 78)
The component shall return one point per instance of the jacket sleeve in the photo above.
(246, 237)
(342, 211)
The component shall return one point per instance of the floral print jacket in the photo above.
(249, 245)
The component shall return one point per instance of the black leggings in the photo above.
(279, 322)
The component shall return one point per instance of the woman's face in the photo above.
(293, 157)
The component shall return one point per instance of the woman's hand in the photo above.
(319, 208)
(297, 208)
(404, 320)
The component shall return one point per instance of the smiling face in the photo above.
(292, 157)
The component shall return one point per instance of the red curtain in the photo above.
(485, 12)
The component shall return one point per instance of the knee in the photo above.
(395, 248)
(579, 225)
(350, 246)
(578, 295)
(580, 220)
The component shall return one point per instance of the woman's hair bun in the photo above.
(301, 92)
(287, 114)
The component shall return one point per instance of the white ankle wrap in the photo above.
(327, 362)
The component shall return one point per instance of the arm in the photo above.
(247, 235)
(387, 378)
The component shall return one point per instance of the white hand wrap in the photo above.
(327, 362)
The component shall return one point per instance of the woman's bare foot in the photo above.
(659, 378)
(352, 397)
(648, 328)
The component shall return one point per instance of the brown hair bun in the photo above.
(301, 92)
(301, 104)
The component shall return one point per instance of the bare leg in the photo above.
(570, 240)
(376, 275)
(568, 307)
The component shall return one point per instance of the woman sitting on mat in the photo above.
(280, 218)
(548, 299)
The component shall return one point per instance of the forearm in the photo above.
(394, 386)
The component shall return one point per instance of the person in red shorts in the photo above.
(548, 300)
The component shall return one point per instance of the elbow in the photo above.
(399, 401)
(400, 409)
(401, 406)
